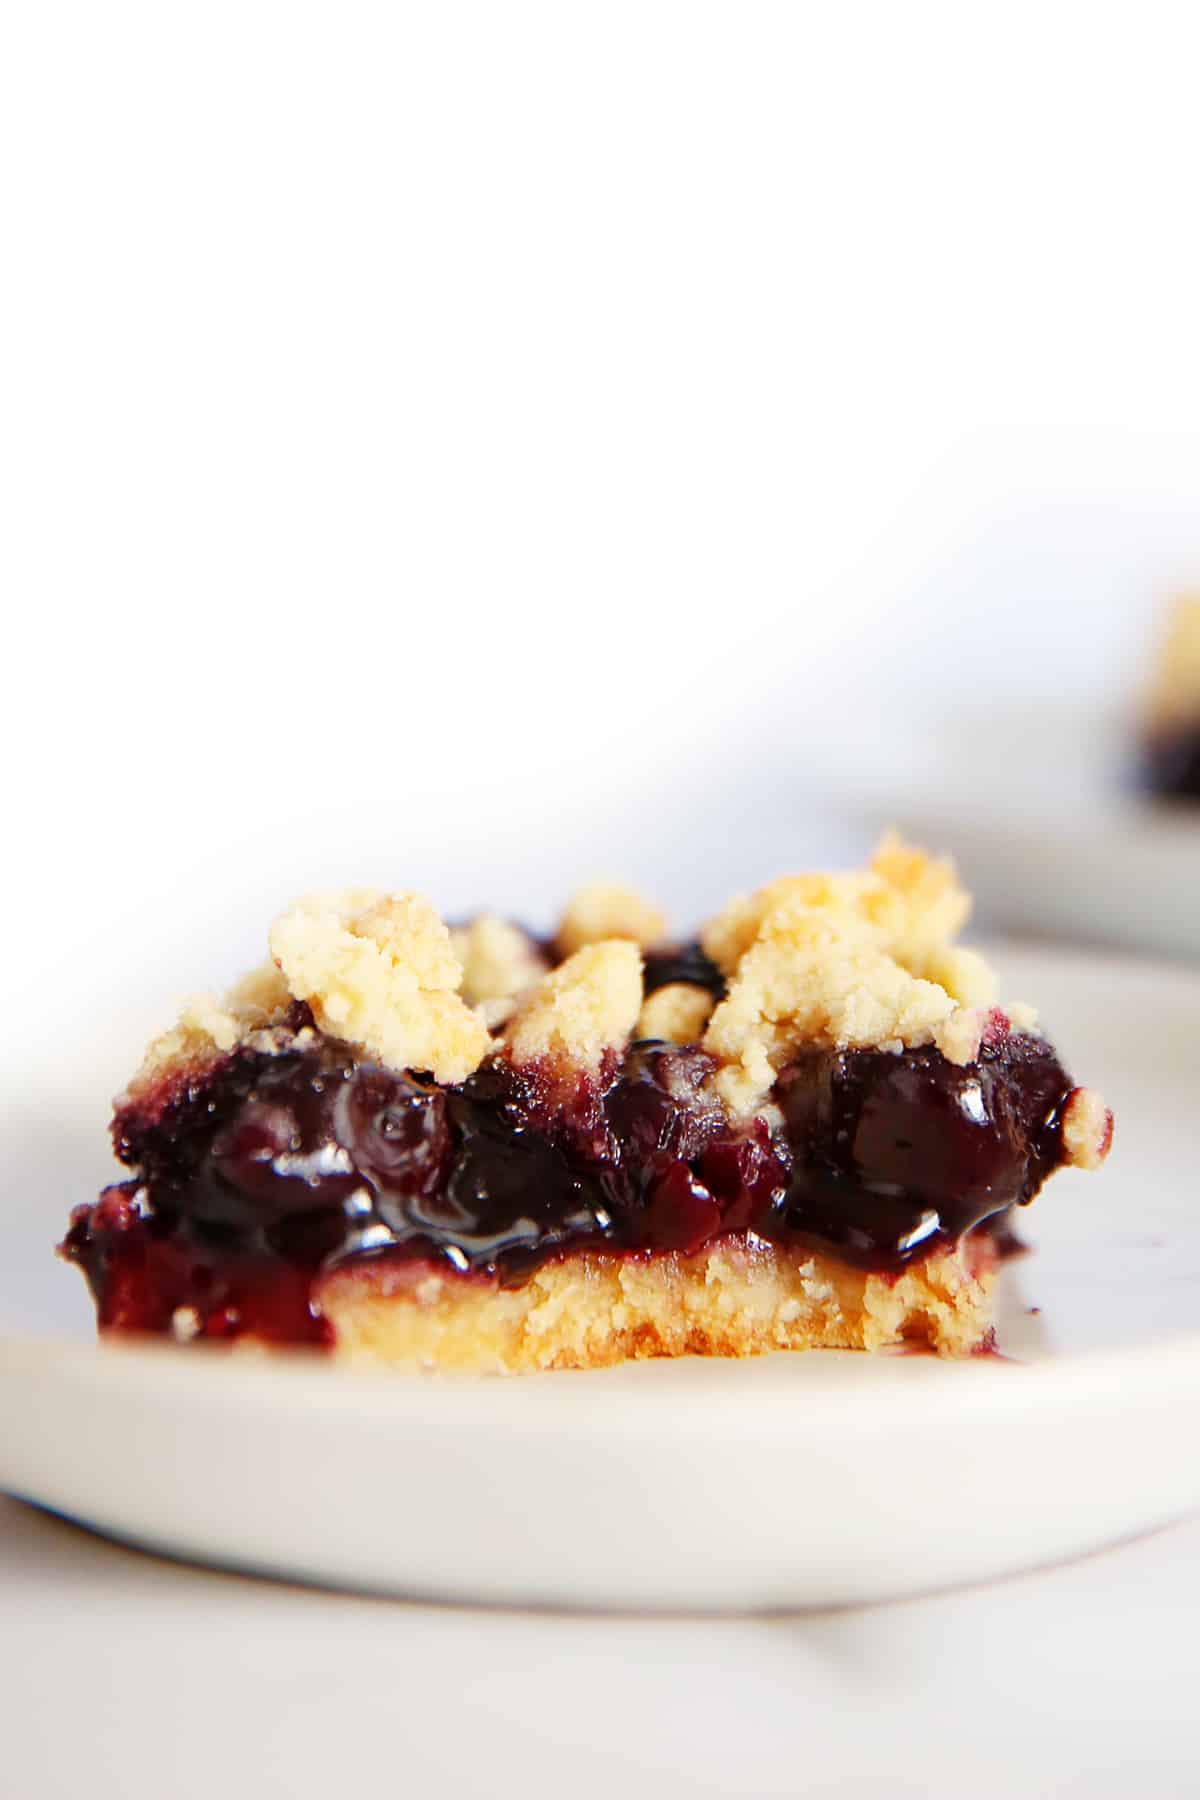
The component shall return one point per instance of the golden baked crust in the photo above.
(739, 1297)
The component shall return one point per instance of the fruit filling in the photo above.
(279, 1165)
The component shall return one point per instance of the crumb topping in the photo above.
(858, 960)
(585, 1008)
(1087, 1129)
(499, 962)
(915, 902)
(379, 970)
(863, 960)
(965, 974)
(960, 1036)
(1174, 696)
(608, 910)
(259, 999)
(209, 1028)
(677, 1013)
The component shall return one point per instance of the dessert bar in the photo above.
(475, 1148)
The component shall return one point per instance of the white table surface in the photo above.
(123, 1675)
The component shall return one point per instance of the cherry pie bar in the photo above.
(474, 1149)
(1171, 737)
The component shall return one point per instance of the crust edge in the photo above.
(740, 1297)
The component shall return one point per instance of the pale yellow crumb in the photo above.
(499, 963)
(914, 903)
(209, 1027)
(581, 1010)
(379, 970)
(860, 960)
(676, 1013)
(607, 909)
(1087, 1129)
(960, 1036)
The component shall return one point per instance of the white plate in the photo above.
(784, 1481)
(1041, 811)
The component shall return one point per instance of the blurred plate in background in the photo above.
(1040, 810)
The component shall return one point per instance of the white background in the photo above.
(473, 447)
(470, 446)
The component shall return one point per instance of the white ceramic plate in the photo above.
(1042, 813)
(785, 1481)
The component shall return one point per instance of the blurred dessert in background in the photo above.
(1171, 728)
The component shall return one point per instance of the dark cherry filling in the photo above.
(683, 962)
(1171, 763)
(898, 1155)
(274, 1168)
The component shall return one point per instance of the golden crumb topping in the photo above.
(499, 961)
(608, 910)
(379, 970)
(676, 1013)
(209, 1027)
(960, 1035)
(963, 973)
(863, 960)
(914, 901)
(587, 1006)
(259, 999)
(1087, 1129)
(1174, 696)
(859, 960)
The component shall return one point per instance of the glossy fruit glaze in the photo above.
(257, 1175)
